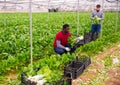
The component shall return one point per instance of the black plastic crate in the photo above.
(76, 67)
(68, 81)
(61, 82)
(73, 70)
(25, 81)
(87, 62)
(87, 37)
(94, 36)
(80, 43)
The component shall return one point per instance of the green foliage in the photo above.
(72, 40)
(15, 40)
(108, 61)
(96, 20)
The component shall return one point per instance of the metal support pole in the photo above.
(102, 21)
(117, 9)
(30, 15)
(62, 16)
(78, 20)
(4, 13)
(63, 13)
(48, 12)
(103, 5)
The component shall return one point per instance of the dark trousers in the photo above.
(96, 28)
(61, 50)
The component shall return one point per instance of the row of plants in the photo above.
(15, 46)
(54, 63)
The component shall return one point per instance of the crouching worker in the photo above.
(61, 44)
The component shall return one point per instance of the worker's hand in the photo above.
(79, 38)
(95, 16)
(99, 18)
(67, 49)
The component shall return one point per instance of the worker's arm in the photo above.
(58, 41)
(92, 16)
(59, 44)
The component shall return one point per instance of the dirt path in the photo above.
(97, 65)
(115, 80)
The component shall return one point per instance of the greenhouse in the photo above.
(59, 42)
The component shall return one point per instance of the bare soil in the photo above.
(94, 67)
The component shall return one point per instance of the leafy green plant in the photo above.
(15, 45)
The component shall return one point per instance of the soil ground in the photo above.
(91, 72)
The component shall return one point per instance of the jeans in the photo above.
(96, 28)
(61, 50)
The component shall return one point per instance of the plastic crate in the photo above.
(80, 43)
(61, 82)
(87, 62)
(25, 81)
(76, 68)
(95, 36)
(87, 37)
(69, 81)
(73, 70)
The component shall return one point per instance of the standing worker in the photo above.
(97, 16)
